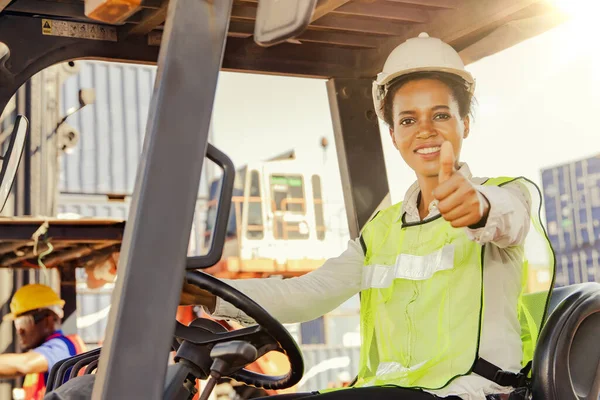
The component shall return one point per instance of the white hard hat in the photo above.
(420, 54)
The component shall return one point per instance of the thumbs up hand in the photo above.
(447, 161)
(460, 203)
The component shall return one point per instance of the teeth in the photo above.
(429, 150)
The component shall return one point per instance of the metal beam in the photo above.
(509, 35)
(142, 317)
(434, 4)
(359, 150)
(308, 60)
(340, 39)
(246, 29)
(353, 23)
(68, 292)
(385, 10)
(151, 20)
(73, 232)
(326, 6)
(472, 16)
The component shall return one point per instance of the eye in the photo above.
(407, 121)
(441, 117)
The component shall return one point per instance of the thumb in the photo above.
(446, 162)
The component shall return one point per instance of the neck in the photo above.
(427, 185)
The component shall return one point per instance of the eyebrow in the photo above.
(435, 108)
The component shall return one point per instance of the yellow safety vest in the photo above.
(422, 299)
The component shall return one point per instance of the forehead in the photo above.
(424, 93)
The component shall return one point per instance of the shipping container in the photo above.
(93, 307)
(111, 131)
(572, 204)
(578, 266)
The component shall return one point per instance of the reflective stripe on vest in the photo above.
(34, 385)
(422, 301)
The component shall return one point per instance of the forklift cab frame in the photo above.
(342, 41)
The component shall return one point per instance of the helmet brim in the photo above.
(380, 90)
(12, 316)
(389, 78)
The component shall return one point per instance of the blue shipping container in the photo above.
(572, 203)
(578, 266)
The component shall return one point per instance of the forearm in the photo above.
(9, 366)
(303, 298)
(12, 365)
(507, 219)
(289, 301)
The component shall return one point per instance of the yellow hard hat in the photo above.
(32, 297)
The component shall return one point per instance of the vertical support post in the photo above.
(23, 179)
(359, 150)
(68, 292)
(142, 317)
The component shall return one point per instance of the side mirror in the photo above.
(278, 21)
(12, 158)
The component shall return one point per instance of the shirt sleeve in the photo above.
(53, 351)
(508, 221)
(302, 298)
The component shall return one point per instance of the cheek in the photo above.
(404, 143)
(458, 129)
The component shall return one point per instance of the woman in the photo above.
(428, 327)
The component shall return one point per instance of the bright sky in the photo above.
(538, 104)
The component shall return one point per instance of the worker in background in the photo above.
(441, 274)
(36, 311)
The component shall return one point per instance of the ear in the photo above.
(393, 137)
(50, 323)
(467, 123)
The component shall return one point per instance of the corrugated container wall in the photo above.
(111, 130)
(572, 204)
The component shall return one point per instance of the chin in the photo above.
(428, 172)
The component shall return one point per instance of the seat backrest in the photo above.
(567, 358)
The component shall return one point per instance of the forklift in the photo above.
(343, 41)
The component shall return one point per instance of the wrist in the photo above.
(484, 211)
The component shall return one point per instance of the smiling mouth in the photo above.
(428, 150)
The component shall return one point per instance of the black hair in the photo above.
(458, 86)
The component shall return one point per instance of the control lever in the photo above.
(235, 354)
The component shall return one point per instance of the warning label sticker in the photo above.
(79, 30)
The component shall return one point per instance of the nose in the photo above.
(425, 129)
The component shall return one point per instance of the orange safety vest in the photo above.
(34, 385)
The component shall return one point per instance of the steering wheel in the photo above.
(268, 335)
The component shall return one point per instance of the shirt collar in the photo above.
(56, 334)
(410, 205)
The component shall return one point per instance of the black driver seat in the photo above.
(81, 387)
(567, 358)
